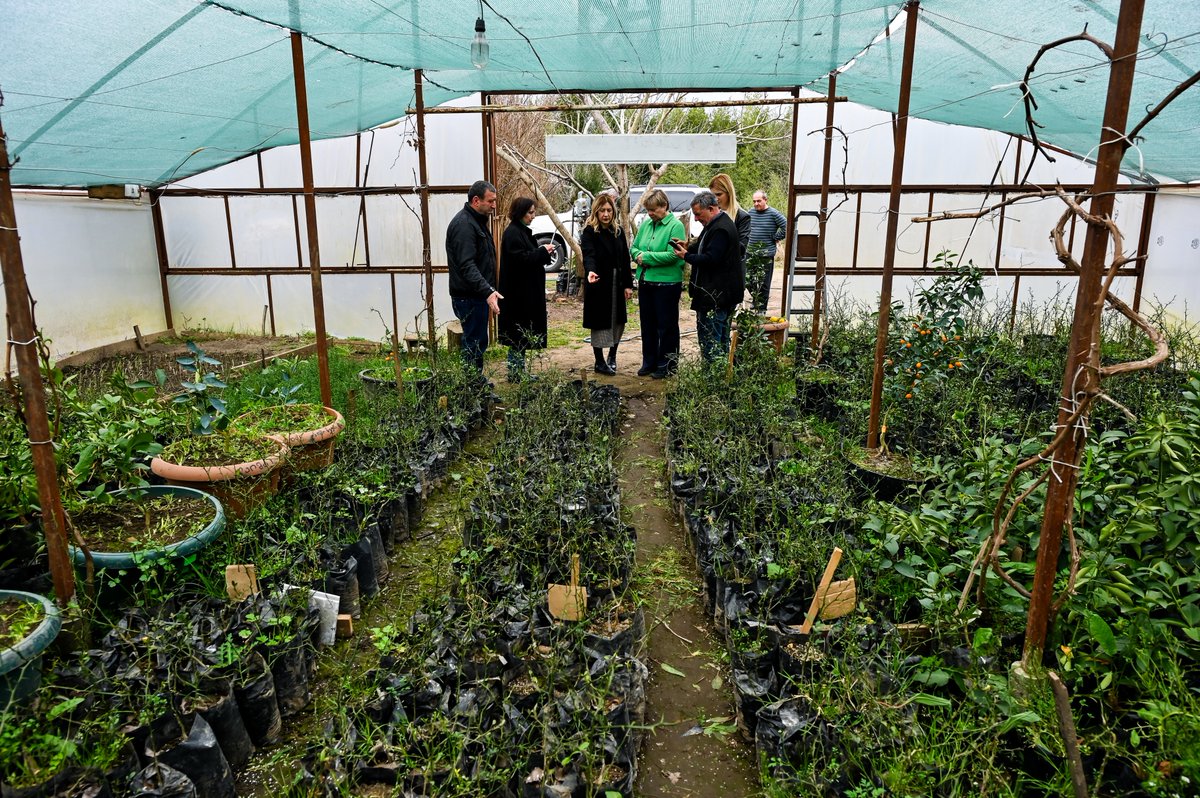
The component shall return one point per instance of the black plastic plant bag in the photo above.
(157, 780)
(200, 758)
(379, 556)
(289, 667)
(225, 718)
(255, 695)
(341, 579)
(360, 552)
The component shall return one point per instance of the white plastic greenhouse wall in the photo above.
(93, 268)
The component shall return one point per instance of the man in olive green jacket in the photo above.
(660, 283)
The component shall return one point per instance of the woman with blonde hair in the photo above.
(722, 187)
(609, 281)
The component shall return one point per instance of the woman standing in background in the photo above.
(609, 281)
(522, 319)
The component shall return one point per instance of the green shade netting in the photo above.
(134, 91)
(129, 91)
(970, 55)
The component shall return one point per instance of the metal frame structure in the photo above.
(1108, 161)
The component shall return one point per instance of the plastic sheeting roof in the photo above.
(141, 91)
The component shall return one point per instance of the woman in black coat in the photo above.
(522, 319)
(609, 281)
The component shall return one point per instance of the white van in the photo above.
(680, 197)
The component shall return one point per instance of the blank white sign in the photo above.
(643, 148)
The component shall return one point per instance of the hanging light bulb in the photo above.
(479, 45)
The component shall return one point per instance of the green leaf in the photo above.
(930, 700)
(1027, 717)
(1103, 634)
(671, 669)
(904, 569)
(64, 706)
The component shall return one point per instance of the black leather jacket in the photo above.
(471, 255)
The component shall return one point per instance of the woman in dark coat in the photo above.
(609, 281)
(522, 319)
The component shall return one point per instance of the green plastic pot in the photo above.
(21, 665)
(182, 548)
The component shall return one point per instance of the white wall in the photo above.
(91, 267)
(939, 153)
(264, 230)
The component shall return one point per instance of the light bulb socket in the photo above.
(479, 26)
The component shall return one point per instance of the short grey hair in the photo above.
(756, 193)
(705, 199)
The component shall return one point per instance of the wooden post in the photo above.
(1082, 371)
(160, 249)
(310, 218)
(889, 246)
(423, 176)
(23, 338)
(822, 216)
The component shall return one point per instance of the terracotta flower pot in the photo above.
(310, 449)
(776, 332)
(240, 487)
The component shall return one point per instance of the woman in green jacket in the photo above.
(660, 282)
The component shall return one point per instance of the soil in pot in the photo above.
(239, 468)
(18, 619)
(882, 474)
(418, 380)
(136, 522)
(308, 429)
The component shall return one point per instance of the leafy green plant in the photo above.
(201, 391)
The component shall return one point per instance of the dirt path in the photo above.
(692, 749)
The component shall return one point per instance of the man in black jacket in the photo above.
(717, 284)
(471, 254)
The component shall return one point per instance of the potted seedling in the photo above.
(240, 468)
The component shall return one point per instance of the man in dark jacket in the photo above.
(471, 254)
(717, 284)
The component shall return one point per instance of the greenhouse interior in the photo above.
(882, 480)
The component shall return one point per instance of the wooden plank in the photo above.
(822, 588)
(840, 600)
(241, 581)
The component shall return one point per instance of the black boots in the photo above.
(612, 358)
(601, 366)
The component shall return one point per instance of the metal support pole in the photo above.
(1082, 372)
(1143, 249)
(423, 177)
(823, 215)
(889, 246)
(789, 244)
(310, 217)
(23, 338)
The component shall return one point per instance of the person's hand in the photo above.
(679, 247)
(593, 277)
(628, 293)
(493, 301)
(549, 247)
(639, 259)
